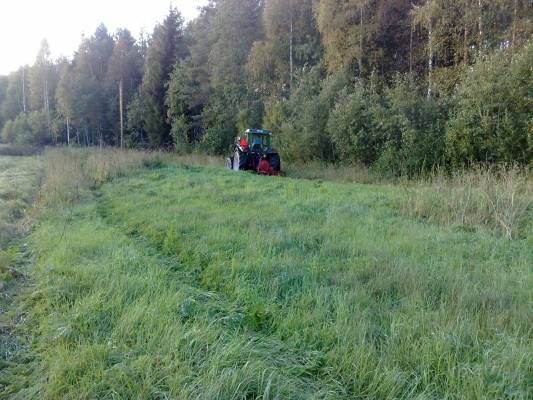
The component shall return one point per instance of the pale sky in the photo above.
(24, 23)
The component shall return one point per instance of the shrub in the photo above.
(7, 132)
(356, 128)
(31, 128)
(493, 111)
(217, 140)
(416, 129)
(303, 133)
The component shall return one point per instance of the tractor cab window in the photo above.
(260, 141)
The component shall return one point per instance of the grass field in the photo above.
(174, 281)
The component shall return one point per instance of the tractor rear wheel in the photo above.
(275, 162)
(229, 163)
(236, 161)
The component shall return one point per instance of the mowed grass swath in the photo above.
(176, 281)
(18, 179)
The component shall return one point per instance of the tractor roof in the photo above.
(258, 132)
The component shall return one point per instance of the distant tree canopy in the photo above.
(401, 85)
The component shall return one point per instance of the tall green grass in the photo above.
(499, 198)
(179, 281)
(19, 178)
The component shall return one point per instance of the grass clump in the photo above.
(497, 198)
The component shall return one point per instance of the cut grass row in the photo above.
(18, 182)
(19, 178)
(195, 282)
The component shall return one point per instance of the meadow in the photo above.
(157, 277)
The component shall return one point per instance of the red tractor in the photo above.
(253, 151)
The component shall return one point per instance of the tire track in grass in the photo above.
(301, 368)
(403, 271)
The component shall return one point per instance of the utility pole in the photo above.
(47, 105)
(121, 107)
(411, 47)
(361, 41)
(430, 60)
(515, 17)
(480, 27)
(68, 131)
(291, 60)
(23, 89)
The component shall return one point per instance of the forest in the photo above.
(402, 86)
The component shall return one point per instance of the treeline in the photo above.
(402, 85)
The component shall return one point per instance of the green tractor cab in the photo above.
(253, 151)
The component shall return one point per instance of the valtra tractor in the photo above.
(253, 151)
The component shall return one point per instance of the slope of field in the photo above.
(195, 282)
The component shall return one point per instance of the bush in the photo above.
(416, 129)
(356, 127)
(303, 118)
(217, 140)
(493, 111)
(399, 131)
(30, 128)
(8, 133)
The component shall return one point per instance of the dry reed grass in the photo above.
(497, 197)
(332, 172)
(69, 172)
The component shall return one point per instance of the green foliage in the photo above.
(397, 85)
(179, 102)
(250, 114)
(12, 103)
(4, 82)
(42, 82)
(303, 135)
(8, 134)
(217, 140)
(165, 48)
(415, 127)
(135, 121)
(492, 117)
(289, 32)
(31, 128)
(356, 127)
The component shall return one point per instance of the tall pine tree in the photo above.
(166, 46)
